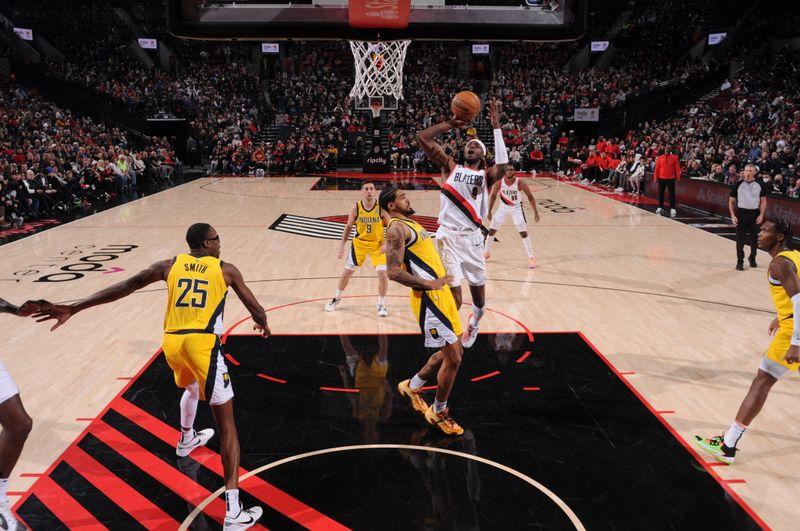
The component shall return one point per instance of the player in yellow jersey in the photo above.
(783, 354)
(412, 260)
(369, 220)
(197, 284)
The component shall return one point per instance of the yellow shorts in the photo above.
(437, 316)
(198, 358)
(774, 362)
(359, 251)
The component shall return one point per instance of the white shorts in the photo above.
(7, 386)
(517, 215)
(462, 255)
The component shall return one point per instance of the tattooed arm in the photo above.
(396, 237)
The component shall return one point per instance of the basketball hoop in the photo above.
(379, 69)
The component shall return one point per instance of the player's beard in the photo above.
(410, 212)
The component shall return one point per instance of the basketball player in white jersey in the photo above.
(510, 189)
(463, 205)
(14, 419)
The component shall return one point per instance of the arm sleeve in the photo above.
(500, 153)
(796, 330)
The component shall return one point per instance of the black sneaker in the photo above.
(753, 262)
(739, 266)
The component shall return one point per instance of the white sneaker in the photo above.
(468, 338)
(200, 439)
(619, 190)
(332, 305)
(659, 211)
(382, 311)
(584, 181)
(673, 213)
(246, 519)
(7, 519)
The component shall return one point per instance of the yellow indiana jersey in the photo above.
(369, 225)
(196, 295)
(783, 304)
(421, 257)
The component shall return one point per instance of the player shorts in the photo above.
(517, 215)
(198, 358)
(359, 250)
(773, 362)
(462, 255)
(437, 316)
(7, 386)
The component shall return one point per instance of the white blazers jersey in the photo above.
(509, 194)
(463, 201)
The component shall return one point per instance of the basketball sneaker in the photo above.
(659, 211)
(200, 439)
(246, 519)
(417, 402)
(471, 334)
(715, 446)
(9, 522)
(443, 421)
(673, 212)
(332, 305)
(382, 311)
(532, 263)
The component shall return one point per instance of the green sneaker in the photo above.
(715, 446)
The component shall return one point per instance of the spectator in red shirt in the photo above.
(668, 170)
(537, 158)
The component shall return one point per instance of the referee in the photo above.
(747, 205)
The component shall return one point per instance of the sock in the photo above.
(734, 433)
(528, 246)
(489, 240)
(338, 294)
(477, 313)
(416, 383)
(3, 488)
(232, 508)
(189, 411)
(382, 300)
(438, 407)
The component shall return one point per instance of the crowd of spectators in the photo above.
(55, 163)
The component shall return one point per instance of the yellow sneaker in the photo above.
(443, 421)
(417, 402)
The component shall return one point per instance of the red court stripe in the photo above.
(257, 487)
(488, 375)
(625, 373)
(71, 513)
(270, 378)
(665, 412)
(140, 508)
(531, 388)
(174, 480)
(124, 378)
(729, 481)
(84, 419)
(16, 493)
(339, 389)
(232, 359)
(717, 463)
(524, 356)
(428, 388)
(30, 475)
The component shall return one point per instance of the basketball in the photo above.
(466, 105)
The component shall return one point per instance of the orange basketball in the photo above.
(466, 105)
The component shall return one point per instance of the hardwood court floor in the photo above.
(659, 299)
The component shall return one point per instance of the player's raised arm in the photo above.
(236, 281)
(432, 149)
(62, 312)
(525, 189)
(497, 171)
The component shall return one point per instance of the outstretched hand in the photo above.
(494, 107)
(29, 308)
(60, 312)
(455, 123)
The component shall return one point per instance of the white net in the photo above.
(379, 68)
